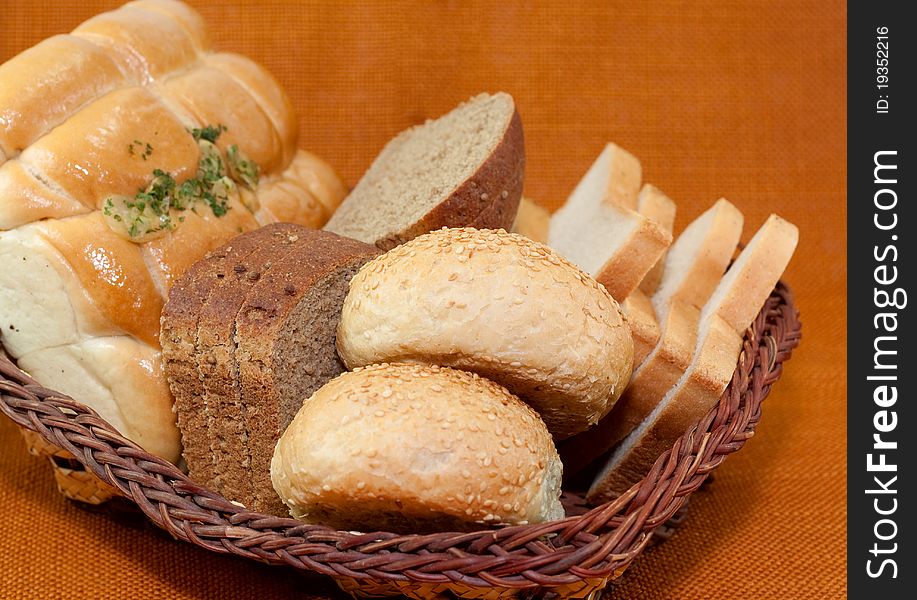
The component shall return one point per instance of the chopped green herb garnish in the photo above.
(149, 213)
(242, 168)
(209, 133)
(145, 148)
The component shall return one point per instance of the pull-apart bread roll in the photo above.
(600, 230)
(730, 310)
(693, 268)
(502, 306)
(248, 333)
(464, 169)
(133, 100)
(417, 448)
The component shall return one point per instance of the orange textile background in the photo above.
(745, 100)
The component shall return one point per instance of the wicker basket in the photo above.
(575, 557)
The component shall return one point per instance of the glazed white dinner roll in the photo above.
(500, 305)
(416, 448)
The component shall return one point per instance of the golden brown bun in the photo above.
(502, 306)
(416, 448)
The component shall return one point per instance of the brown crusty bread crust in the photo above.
(178, 336)
(488, 199)
(641, 317)
(259, 324)
(624, 271)
(215, 355)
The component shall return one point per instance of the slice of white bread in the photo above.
(464, 169)
(694, 265)
(599, 230)
(532, 221)
(723, 321)
(614, 176)
(641, 317)
(657, 206)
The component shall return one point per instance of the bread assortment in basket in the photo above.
(411, 368)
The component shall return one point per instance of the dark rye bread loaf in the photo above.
(285, 347)
(464, 169)
(178, 337)
(222, 401)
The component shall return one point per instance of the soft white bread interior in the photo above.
(462, 169)
(502, 306)
(89, 116)
(124, 380)
(698, 259)
(416, 448)
(614, 176)
(733, 306)
(694, 265)
(599, 230)
(655, 205)
(532, 221)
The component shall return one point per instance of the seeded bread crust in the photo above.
(215, 355)
(499, 305)
(415, 448)
(263, 325)
(488, 199)
(178, 336)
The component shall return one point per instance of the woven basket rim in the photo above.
(597, 545)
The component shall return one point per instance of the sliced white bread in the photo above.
(615, 176)
(657, 206)
(464, 169)
(727, 314)
(599, 230)
(694, 265)
(532, 221)
(641, 317)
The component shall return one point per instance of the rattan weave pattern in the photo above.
(573, 557)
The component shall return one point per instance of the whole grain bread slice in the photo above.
(215, 354)
(178, 338)
(723, 321)
(694, 265)
(285, 344)
(463, 169)
(599, 230)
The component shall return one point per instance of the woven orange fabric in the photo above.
(743, 100)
